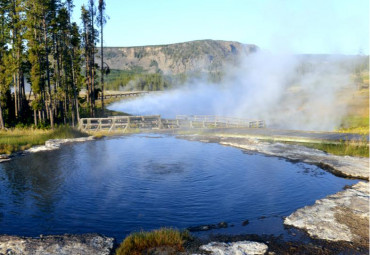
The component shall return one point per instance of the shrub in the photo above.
(143, 242)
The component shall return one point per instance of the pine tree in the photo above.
(37, 57)
(76, 65)
(89, 39)
(4, 70)
(16, 25)
(92, 11)
(74, 43)
(101, 21)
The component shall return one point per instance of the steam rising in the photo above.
(287, 91)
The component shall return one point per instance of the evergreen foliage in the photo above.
(38, 42)
(137, 80)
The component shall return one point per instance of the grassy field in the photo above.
(356, 124)
(21, 139)
(165, 239)
(344, 148)
(357, 118)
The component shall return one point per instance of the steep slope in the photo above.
(194, 56)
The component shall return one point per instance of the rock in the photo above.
(54, 144)
(340, 217)
(245, 223)
(236, 248)
(85, 244)
(4, 157)
(208, 227)
(222, 225)
(353, 167)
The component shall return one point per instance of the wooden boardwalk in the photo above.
(212, 121)
(156, 122)
(124, 94)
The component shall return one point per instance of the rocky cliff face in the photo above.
(194, 56)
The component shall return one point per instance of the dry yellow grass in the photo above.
(21, 139)
(142, 242)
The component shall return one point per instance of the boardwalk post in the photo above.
(113, 124)
(99, 125)
(81, 124)
(159, 121)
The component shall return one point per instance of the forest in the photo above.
(41, 46)
(138, 79)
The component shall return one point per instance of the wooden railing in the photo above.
(205, 121)
(124, 94)
(155, 122)
(120, 123)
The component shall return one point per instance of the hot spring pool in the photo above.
(118, 185)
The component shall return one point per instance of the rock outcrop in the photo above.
(199, 56)
(240, 248)
(340, 217)
(346, 166)
(86, 244)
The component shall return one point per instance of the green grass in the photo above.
(355, 124)
(344, 148)
(144, 242)
(21, 139)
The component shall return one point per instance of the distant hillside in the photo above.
(196, 56)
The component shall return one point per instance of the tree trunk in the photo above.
(73, 113)
(48, 74)
(87, 75)
(101, 63)
(75, 90)
(2, 126)
(35, 117)
(93, 64)
(51, 118)
(23, 90)
(92, 88)
(15, 95)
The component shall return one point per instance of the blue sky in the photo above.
(295, 26)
